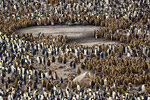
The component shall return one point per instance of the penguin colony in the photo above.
(28, 65)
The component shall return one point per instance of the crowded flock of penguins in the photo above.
(29, 66)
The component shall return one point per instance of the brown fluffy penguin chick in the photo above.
(53, 59)
(48, 85)
(29, 84)
(124, 88)
(122, 39)
(70, 55)
(74, 84)
(64, 60)
(89, 66)
(59, 59)
(75, 59)
(44, 83)
(78, 71)
(48, 62)
(16, 81)
(81, 56)
(82, 65)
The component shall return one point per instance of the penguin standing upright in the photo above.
(78, 71)
(143, 88)
(48, 62)
(92, 84)
(73, 64)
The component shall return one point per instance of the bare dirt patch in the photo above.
(80, 34)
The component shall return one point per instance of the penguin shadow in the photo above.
(82, 39)
(87, 38)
